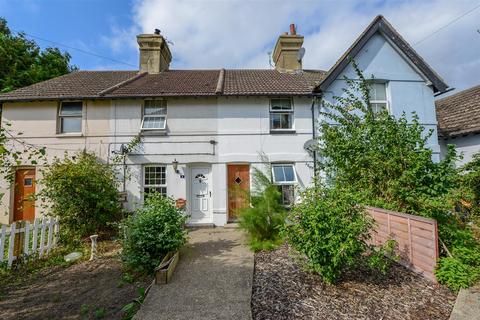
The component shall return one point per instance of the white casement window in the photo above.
(70, 117)
(154, 115)
(281, 114)
(378, 97)
(285, 178)
(155, 179)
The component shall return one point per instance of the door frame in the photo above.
(12, 191)
(188, 178)
(226, 183)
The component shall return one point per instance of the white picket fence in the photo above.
(39, 238)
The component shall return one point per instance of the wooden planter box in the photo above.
(164, 272)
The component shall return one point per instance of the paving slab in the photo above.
(213, 280)
(467, 305)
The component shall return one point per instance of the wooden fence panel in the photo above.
(39, 239)
(416, 237)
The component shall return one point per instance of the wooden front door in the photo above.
(238, 189)
(24, 205)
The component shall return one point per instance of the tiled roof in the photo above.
(123, 84)
(271, 82)
(170, 83)
(459, 114)
(79, 84)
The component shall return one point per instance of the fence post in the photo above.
(26, 247)
(50, 234)
(19, 241)
(3, 234)
(10, 244)
(42, 237)
(35, 236)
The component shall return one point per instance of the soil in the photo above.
(283, 289)
(86, 290)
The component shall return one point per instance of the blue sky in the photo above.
(240, 33)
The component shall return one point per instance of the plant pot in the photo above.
(164, 272)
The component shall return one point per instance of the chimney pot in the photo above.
(293, 30)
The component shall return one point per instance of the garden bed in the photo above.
(86, 290)
(282, 289)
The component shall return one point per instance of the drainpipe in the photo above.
(316, 97)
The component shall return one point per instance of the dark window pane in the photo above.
(71, 108)
(281, 104)
(288, 196)
(278, 174)
(289, 173)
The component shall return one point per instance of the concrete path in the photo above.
(213, 280)
(467, 306)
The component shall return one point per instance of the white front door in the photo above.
(201, 195)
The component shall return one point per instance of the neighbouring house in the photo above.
(458, 118)
(202, 131)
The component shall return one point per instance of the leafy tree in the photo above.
(23, 63)
(81, 192)
(385, 159)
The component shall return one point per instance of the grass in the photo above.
(27, 269)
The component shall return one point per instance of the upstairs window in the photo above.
(70, 117)
(155, 180)
(378, 97)
(154, 115)
(285, 178)
(281, 114)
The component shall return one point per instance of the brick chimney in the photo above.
(286, 53)
(155, 56)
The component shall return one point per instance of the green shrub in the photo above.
(81, 192)
(263, 220)
(462, 270)
(331, 230)
(151, 232)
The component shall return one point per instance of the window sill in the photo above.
(282, 131)
(69, 135)
(160, 132)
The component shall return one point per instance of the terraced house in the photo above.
(202, 131)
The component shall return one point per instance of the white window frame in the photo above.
(290, 112)
(294, 181)
(145, 185)
(61, 116)
(375, 101)
(164, 116)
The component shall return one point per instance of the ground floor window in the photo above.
(155, 179)
(288, 194)
(285, 177)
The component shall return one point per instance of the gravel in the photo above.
(283, 289)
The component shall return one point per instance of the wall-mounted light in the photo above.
(175, 165)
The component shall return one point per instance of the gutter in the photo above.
(443, 92)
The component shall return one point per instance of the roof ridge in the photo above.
(121, 84)
(221, 80)
(458, 93)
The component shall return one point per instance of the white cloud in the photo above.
(239, 33)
